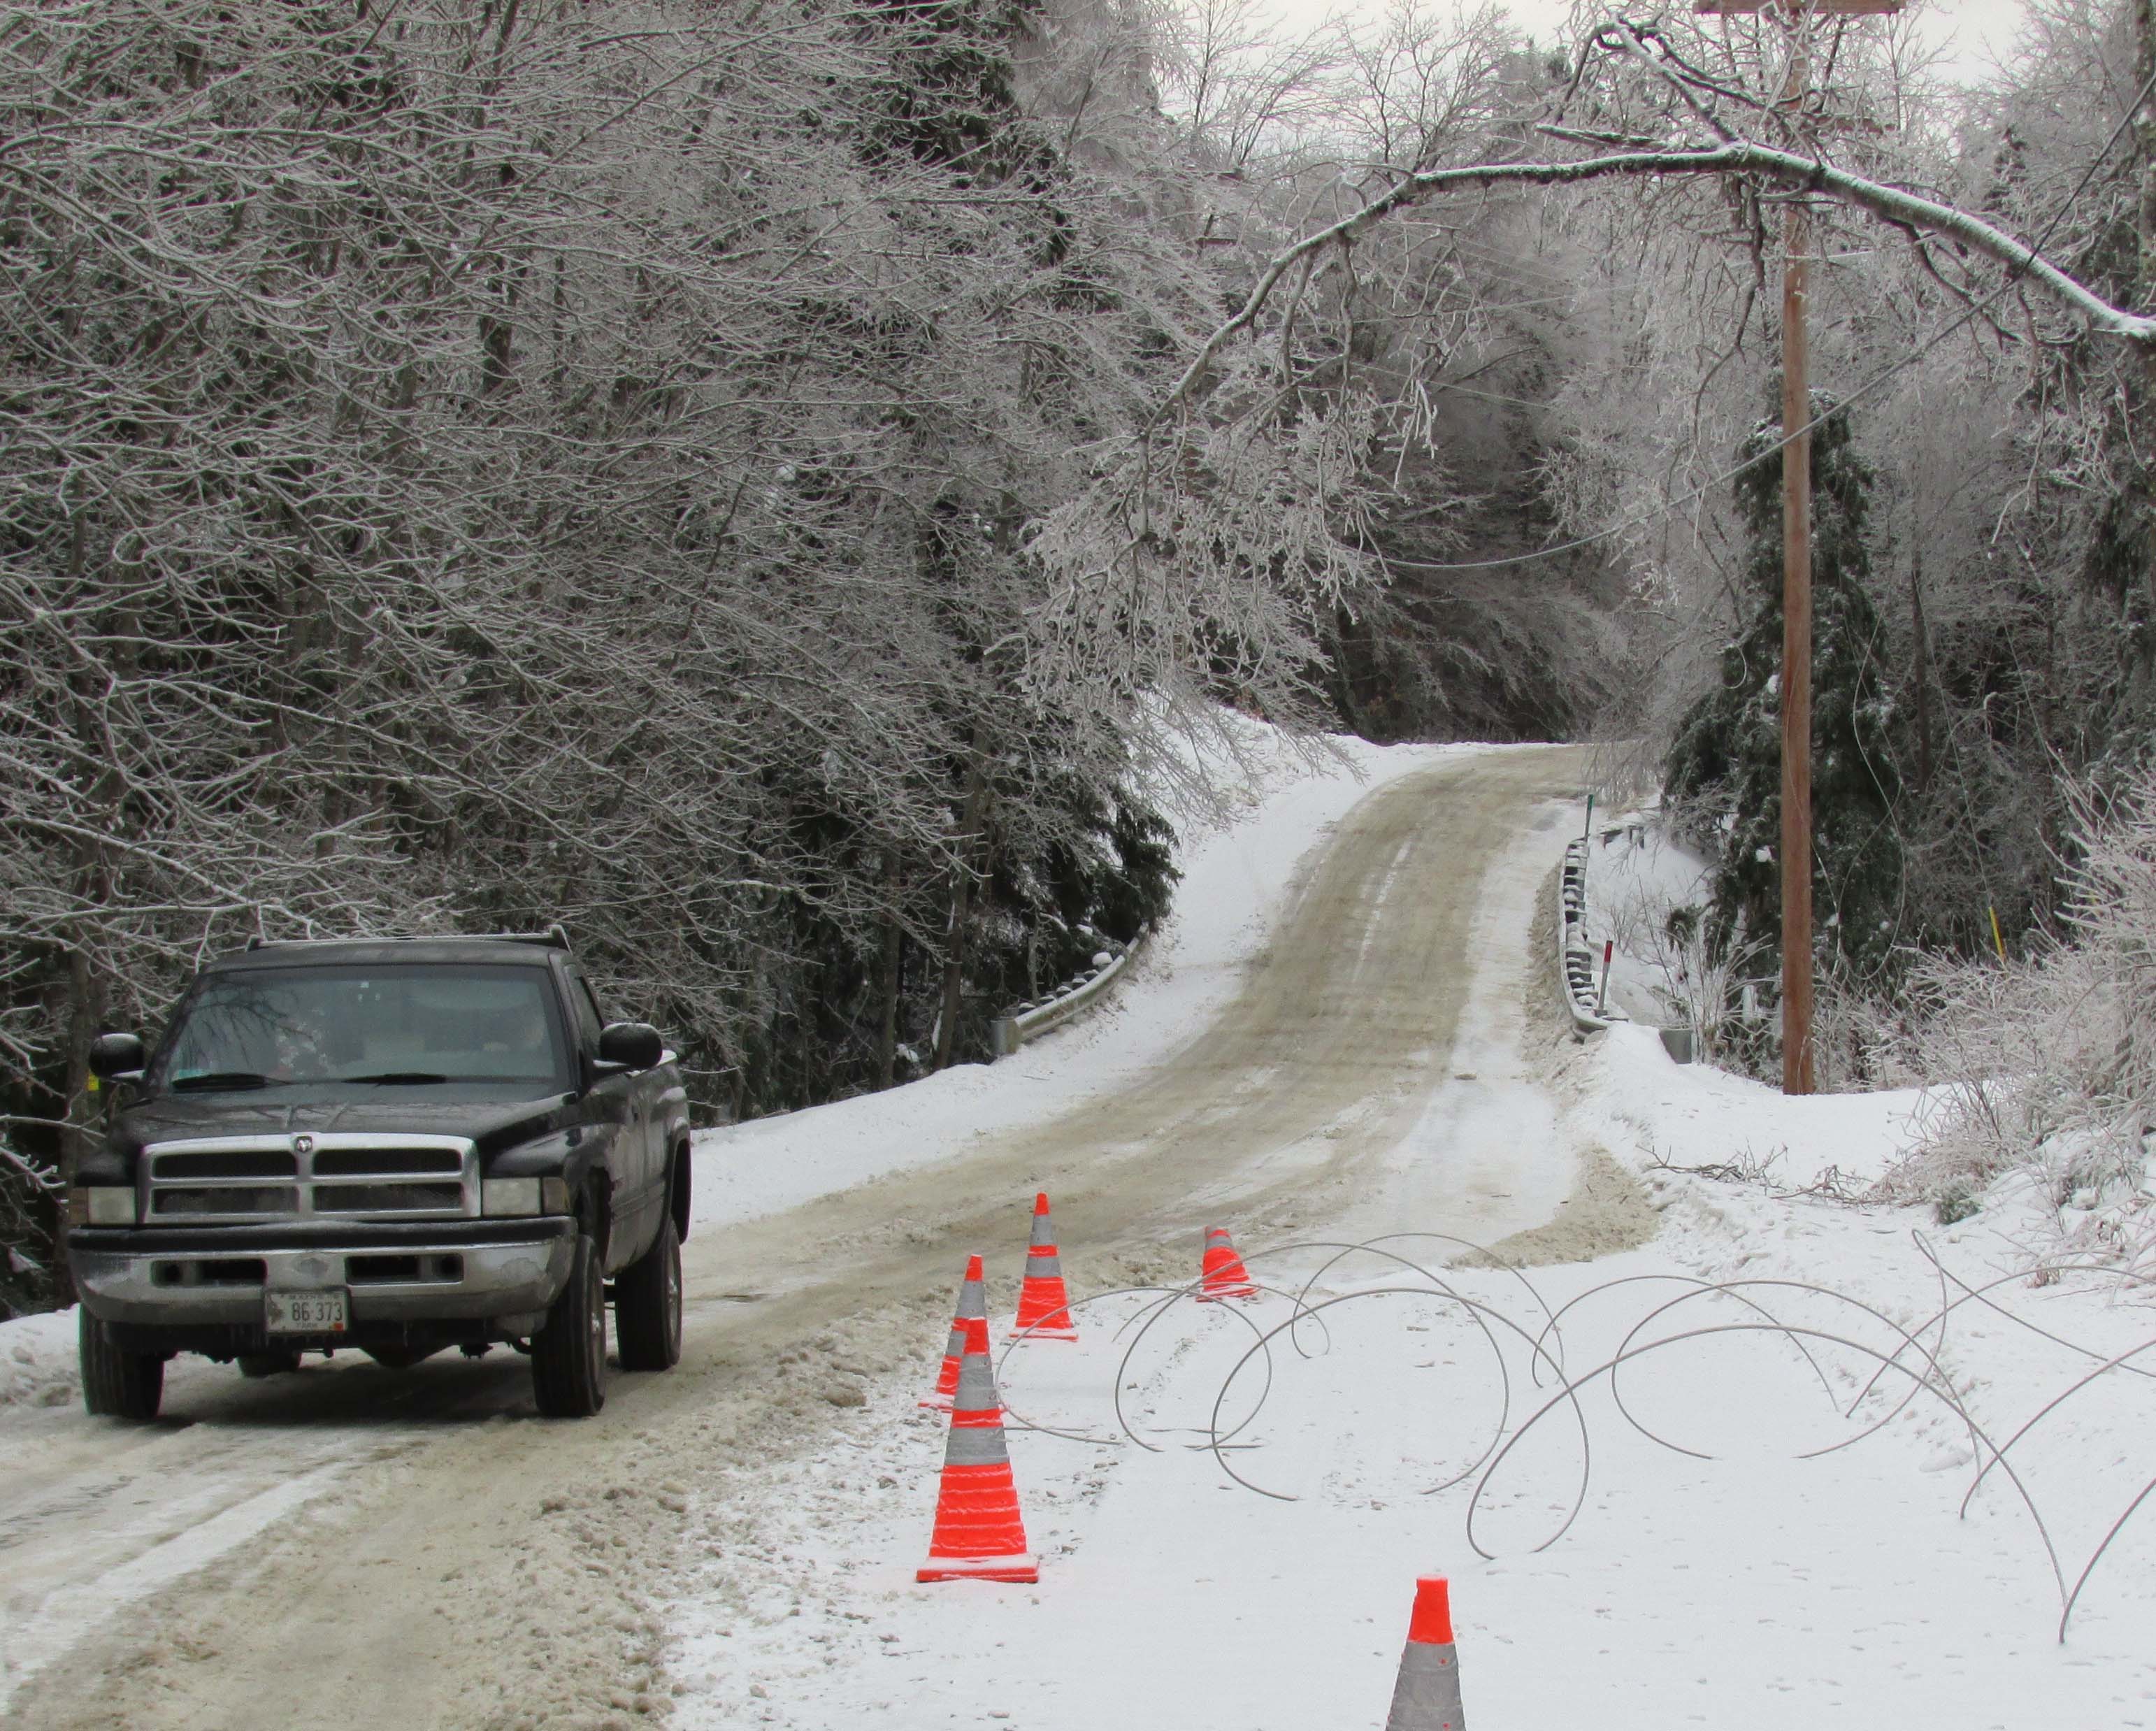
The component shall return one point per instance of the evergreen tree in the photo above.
(1723, 772)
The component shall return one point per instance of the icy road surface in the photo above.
(353, 1546)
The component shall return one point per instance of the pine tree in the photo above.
(1723, 772)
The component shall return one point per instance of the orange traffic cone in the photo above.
(1426, 1698)
(969, 1323)
(1223, 1275)
(1043, 1306)
(980, 1535)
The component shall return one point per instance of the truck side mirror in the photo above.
(114, 1055)
(630, 1045)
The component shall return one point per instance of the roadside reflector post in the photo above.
(1602, 992)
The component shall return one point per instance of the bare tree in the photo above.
(471, 465)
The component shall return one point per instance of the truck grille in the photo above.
(223, 1199)
(331, 1175)
(389, 1198)
(369, 1162)
(226, 1162)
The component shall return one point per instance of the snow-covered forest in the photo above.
(773, 486)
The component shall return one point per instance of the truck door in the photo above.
(638, 1172)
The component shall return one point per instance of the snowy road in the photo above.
(351, 1546)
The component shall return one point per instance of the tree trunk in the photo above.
(92, 890)
(890, 970)
(1343, 671)
(962, 886)
(85, 1012)
(1923, 674)
(86, 1019)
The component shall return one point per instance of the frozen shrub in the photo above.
(2047, 1063)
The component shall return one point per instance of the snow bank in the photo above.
(38, 1360)
(1792, 1553)
(1741, 1584)
(1236, 879)
(1635, 1097)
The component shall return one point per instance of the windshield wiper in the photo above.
(217, 1081)
(399, 1078)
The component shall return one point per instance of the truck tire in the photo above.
(269, 1364)
(568, 1355)
(647, 1304)
(115, 1384)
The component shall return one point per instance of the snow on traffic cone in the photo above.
(1426, 1698)
(1223, 1273)
(979, 1535)
(1043, 1306)
(969, 1321)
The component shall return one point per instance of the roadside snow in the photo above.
(1695, 1115)
(1235, 880)
(1755, 1581)
(38, 1360)
(1753, 1589)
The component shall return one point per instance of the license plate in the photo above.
(304, 1312)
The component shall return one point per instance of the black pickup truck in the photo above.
(397, 1145)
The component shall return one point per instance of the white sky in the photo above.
(1971, 31)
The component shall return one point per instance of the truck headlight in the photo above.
(509, 1195)
(100, 1205)
(524, 1195)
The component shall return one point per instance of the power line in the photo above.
(1858, 395)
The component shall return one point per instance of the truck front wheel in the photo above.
(647, 1304)
(116, 1383)
(568, 1355)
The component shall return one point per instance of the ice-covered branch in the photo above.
(1890, 204)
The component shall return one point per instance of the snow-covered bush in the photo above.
(1698, 984)
(2048, 1063)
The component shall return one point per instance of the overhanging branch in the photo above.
(1890, 204)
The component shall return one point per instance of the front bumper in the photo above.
(419, 1272)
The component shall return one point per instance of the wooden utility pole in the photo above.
(1797, 1075)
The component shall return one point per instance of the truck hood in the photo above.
(493, 1117)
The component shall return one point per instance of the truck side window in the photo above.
(587, 1010)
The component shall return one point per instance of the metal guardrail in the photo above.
(1575, 955)
(1009, 1031)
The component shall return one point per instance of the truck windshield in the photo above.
(415, 1025)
